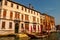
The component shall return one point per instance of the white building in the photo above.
(15, 17)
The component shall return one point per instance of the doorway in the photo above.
(16, 27)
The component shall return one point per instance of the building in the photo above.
(49, 22)
(16, 18)
(57, 27)
(42, 25)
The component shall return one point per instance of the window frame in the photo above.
(11, 4)
(3, 25)
(4, 13)
(10, 25)
(0, 12)
(17, 6)
(11, 14)
(5, 3)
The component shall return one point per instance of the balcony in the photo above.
(16, 20)
(26, 21)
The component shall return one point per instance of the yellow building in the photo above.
(42, 20)
(16, 18)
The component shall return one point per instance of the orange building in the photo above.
(49, 23)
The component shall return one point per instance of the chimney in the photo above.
(30, 6)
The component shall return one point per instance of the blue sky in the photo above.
(51, 7)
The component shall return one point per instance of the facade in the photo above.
(49, 22)
(42, 25)
(17, 18)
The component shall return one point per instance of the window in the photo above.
(17, 7)
(17, 16)
(34, 12)
(34, 19)
(11, 15)
(34, 27)
(26, 26)
(26, 17)
(22, 17)
(22, 7)
(41, 27)
(25, 9)
(5, 2)
(4, 14)
(0, 12)
(11, 4)
(41, 20)
(0, 2)
(44, 23)
(22, 26)
(37, 13)
(37, 19)
(10, 25)
(3, 25)
(29, 10)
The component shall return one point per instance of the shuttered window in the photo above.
(34, 19)
(17, 15)
(34, 27)
(25, 9)
(4, 14)
(17, 7)
(11, 4)
(5, 2)
(26, 26)
(29, 10)
(37, 19)
(3, 25)
(11, 15)
(26, 17)
(0, 12)
(22, 7)
(22, 17)
(0, 2)
(10, 25)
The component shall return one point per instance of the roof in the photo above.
(23, 5)
(47, 15)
